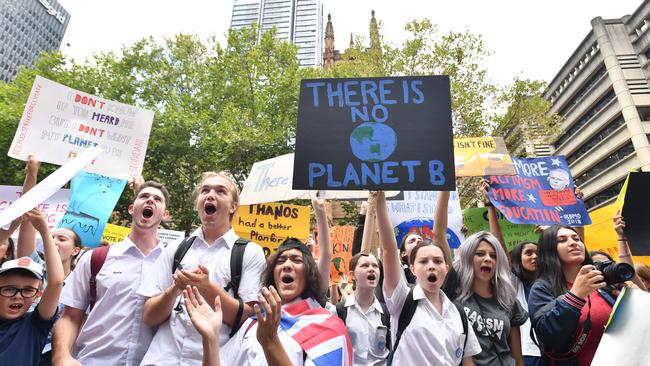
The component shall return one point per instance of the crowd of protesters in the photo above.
(214, 299)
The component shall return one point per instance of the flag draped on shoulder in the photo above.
(321, 334)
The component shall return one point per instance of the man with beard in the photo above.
(205, 265)
(366, 319)
(113, 332)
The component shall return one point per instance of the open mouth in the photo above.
(286, 279)
(147, 212)
(372, 277)
(432, 278)
(210, 208)
(486, 269)
(15, 306)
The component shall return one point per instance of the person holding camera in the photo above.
(567, 304)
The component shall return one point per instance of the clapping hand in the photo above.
(206, 321)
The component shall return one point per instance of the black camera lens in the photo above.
(615, 273)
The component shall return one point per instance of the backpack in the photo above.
(98, 257)
(342, 312)
(406, 315)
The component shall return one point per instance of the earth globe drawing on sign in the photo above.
(373, 142)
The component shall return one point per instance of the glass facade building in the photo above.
(28, 27)
(297, 21)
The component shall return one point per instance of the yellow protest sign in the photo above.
(479, 156)
(268, 224)
(115, 233)
(600, 235)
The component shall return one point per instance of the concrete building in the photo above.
(602, 92)
(297, 21)
(28, 27)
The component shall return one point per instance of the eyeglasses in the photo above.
(10, 291)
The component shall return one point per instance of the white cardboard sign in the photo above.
(60, 122)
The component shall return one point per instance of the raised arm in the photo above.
(206, 321)
(27, 234)
(624, 254)
(441, 222)
(359, 229)
(267, 327)
(493, 218)
(390, 254)
(50, 300)
(324, 242)
(66, 330)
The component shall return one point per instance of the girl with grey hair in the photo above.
(484, 289)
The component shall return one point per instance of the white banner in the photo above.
(48, 186)
(271, 180)
(627, 335)
(59, 122)
(53, 208)
(415, 214)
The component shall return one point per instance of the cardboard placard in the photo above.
(53, 208)
(269, 224)
(60, 122)
(415, 214)
(479, 156)
(389, 133)
(636, 214)
(541, 193)
(476, 219)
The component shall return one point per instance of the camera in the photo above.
(615, 272)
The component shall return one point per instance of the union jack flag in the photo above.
(320, 334)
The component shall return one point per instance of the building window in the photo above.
(605, 194)
(606, 163)
(600, 136)
(602, 103)
(584, 90)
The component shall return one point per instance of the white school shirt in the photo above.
(528, 347)
(367, 333)
(431, 338)
(177, 342)
(114, 332)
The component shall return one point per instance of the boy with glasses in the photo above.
(23, 334)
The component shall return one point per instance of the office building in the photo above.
(28, 27)
(297, 21)
(603, 94)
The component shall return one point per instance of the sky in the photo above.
(527, 38)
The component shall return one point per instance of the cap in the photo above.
(24, 263)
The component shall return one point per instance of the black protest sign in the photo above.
(635, 213)
(388, 133)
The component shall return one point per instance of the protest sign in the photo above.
(476, 219)
(271, 180)
(167, 236)
(415, 214)
(270, 223)
(48, 186)
(541, 193)
(115, 233)
(59, 122)
(92, 200)
(388, 133)
(53, 208)
(635, 213)
(479, 156)
(341, 238)
(626, 337)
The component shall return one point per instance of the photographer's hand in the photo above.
(589, 279)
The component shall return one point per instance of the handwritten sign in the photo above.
(48, 186)
(92, 201)
(271, 181)
(341, 238)
(59, 122)
(53, 208)
(476, 219)
(414, 214)
(541, 193)
(270, 223)
(479, 156)
(374, 133)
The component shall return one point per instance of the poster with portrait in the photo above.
(541, 193)
(389, 133)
